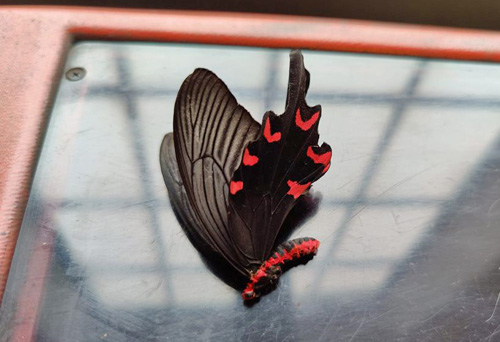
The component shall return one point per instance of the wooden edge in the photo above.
(35, 40)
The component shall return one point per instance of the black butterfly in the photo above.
(232, 182)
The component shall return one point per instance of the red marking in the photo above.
(299, 250)
(326, 168)
(267, 133)
(248, 159)
(279, 258)
(287, 256)
(319, 158)
(305, 125)
(234, 187)
(297, 189)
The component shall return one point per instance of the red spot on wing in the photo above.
(297, 189)
(326, 168)
(248, 159)
(305, 125)
(319, 158)
(267, 133)
(234, 187)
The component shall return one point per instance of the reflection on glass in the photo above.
(408, 221)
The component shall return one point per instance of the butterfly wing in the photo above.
(177, 192)
(276, 169)
(210, 132)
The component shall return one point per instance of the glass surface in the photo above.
(409, 219)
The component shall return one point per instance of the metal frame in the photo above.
(35, 41)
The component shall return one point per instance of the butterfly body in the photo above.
(286, 254)
(233, 181)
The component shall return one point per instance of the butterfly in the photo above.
(232, 181)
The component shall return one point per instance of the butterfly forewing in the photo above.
(177, 192)
(210, 132)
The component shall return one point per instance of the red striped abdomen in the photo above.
(287, 254)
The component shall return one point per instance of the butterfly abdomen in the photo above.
(287, 254)
(293, 249)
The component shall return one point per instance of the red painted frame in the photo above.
(33, 47)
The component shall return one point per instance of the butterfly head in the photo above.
(262, 281)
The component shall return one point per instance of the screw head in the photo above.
(75, 74)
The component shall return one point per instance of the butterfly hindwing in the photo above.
(276, 169)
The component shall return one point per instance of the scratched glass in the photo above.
(409, 217)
